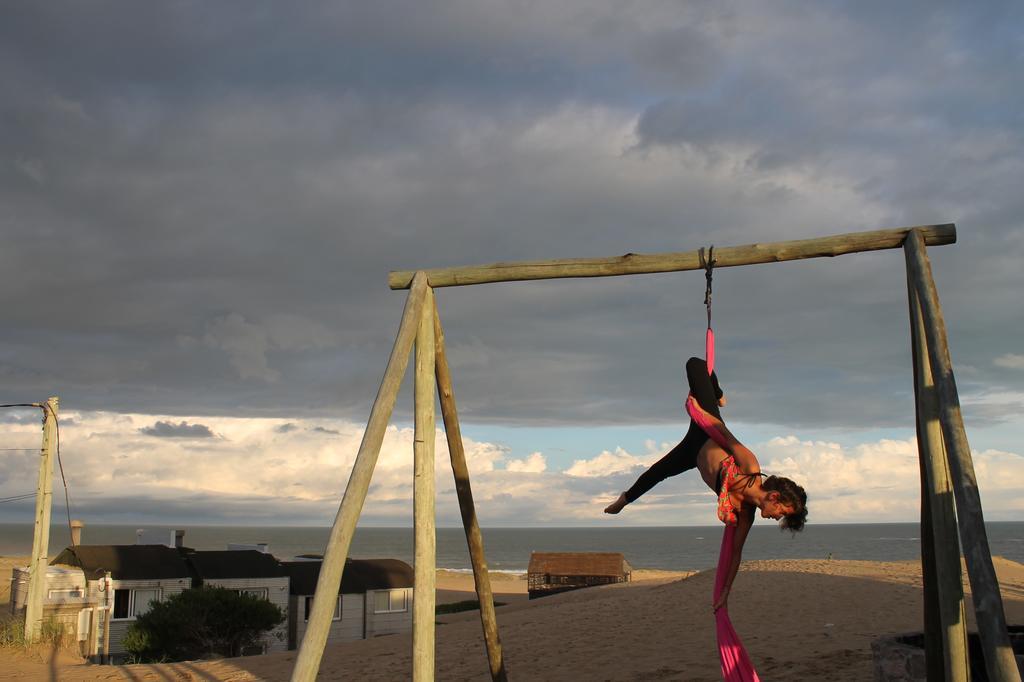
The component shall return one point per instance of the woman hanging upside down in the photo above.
(728, 467)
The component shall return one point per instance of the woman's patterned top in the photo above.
(729, 474)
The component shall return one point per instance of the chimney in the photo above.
(179, 538)
(76, 532)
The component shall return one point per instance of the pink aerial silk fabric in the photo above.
(703, 420)
(736, 665)
(709, 350)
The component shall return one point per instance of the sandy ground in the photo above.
(800, 620)
(456, 586)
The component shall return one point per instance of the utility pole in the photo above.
(41, 535)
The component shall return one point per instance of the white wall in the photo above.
(378, 624)
(348, 629)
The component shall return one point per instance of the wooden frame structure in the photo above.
(949, 502)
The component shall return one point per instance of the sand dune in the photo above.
(800, 620)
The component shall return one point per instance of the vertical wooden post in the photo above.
(945, 618)
(93, 652)
(109, 616)
(41, 531)
(470, 525)
(425, 568)
(988, 603)
(934, 648)
(307, 663)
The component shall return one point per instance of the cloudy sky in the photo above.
(199, 206)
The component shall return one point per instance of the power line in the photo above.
(15, 498)
(45, 407)
(67, 496)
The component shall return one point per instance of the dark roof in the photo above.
(234, 563)
(125, 562)
(579, 563)
(360, 575)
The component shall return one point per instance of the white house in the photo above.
(97, 591)
(375, 599)
(91, 587)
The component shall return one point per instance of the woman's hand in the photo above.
(691, 400)
(723, 600)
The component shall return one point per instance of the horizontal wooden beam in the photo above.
(638, 263)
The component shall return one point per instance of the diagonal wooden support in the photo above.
(423, 495)
(307, 663)
(988, 603)
(944, 615)
(474, 538)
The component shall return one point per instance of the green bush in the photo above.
(199, 623)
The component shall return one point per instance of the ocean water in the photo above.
(508, 549)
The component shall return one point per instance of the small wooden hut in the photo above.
(553, 572)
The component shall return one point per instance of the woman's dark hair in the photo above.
(791, 495)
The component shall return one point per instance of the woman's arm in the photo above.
(743, 524)
(745, 459)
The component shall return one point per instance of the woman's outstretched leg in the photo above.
(683, 456)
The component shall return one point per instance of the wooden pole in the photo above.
(636, 263)
(93, 652)
(474, 538)
(945, 617)
(307, 663)
(934, 649)
(424, 547)
(109, 615)
(41, 530)
(988, 603)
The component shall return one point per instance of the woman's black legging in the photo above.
(683, 457)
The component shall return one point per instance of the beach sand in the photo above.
(800, 620)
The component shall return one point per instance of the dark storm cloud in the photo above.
(201, 203)
(198, 508)
(179, 430)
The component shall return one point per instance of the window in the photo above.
(67, 593)
(389, 601)
(258, 592)
(337, 608)
(129, 604)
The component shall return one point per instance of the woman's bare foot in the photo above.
(616, 506)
